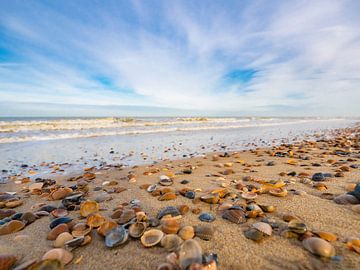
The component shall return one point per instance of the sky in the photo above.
(266, 58)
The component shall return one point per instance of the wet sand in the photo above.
(233, 249)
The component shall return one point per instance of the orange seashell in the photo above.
(13, 204)
(11, 227)
(58, 254)
(183, 209)
(89, 207)
(106, 227)
(330, 237)
(6, 261)
(95, 220)
(61, 193)
(350, 187)
(80, 229)
(170, 225)
(210, 198)
(152, 237)
(278, 192)
(167, 196)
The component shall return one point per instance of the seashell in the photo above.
(190, 253)
(51, 264)
(126, 216)
(171, 242)
(169, 210)
(210, 198)
(53, 234)
(190, 194)
(6, 261)
(47, 208)
(61, 193)
(6, 213)
(62, 239)
(13, 204)
(206, 217)
(70, 201)
(141, 216)
(278, 192)
(103, 197)
(356, 192)
(248, 195)
(354, 245)
(60, 254)
(11, 227)
(151, 238)
(117, 214)
(165, 180)
(28, 218)
(268, 208)
(30, 265)
(263, 227)
(350, 187)
(117, 236)
(59, 220)
(204, 232)
(346, 199)
(167, 196)
(95, 220)
(136, 230)
(81, 229)
(318, 246)
(330, 237)
(165, 266)
(151, 188)
(153, 222)
(59, 213)
(170, 225)
(234, 215)
(107, 226)
(186, 232)
(297, 226)
(89, 207)
(183, 209)
(35, 186)
(254, 234)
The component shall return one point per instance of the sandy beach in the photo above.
(233, 176)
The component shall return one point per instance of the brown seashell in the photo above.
(234, 215)
(6, 261)
(117, 214)
(126, 216)
(320, 186)
(167, 196)
(59, 213)
(13, 204)
(210, 198)
(183, 209)
(61, 193)
(55, 232)
(28, 217)
(319, 247)
(297, 226)
(263, 227)
(346, 199)
(106, 227)
(151, 238)
(60, 254)
(170, 225)
(11, 227)
(330, 237)
(204, 232)
(186, 232)
(278, 192)
(81, 229)
(136, 230)
(95, 220)
(268, 208)
(89, 207)
(196, 211)
(228, 172)
(165, 190)
(190, 253)
(249, 195)
(62, 239)
(171, 242)
(350, 187)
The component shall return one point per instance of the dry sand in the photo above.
(234, 250)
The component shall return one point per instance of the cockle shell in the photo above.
(234, 215)
(89, 207)
(151, 238)
(95, 220)
(204, 232)
(171, 242)
(58, 254)
(107, 226)
(190, 252)
(137, 229)
(187, 232)
(170, 225)
(263, 227)
(319, 247)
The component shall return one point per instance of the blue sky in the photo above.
(229, 57)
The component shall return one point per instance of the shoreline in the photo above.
(283, 249)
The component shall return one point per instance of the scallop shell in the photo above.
(6, 261)
(60, 254)
(117, 236)
(171, 242)
(263, 227)
(107, 226)
(319, 247)
(186, 232)
(136, 230)
(169, 210)
(234, 215)
(167, 196)
(89, 207)
(278, 192)
(190, 253)
(126, 216)
(11, 227)
(170, 225)
(151, 238)
(204, 232)
(95, 220)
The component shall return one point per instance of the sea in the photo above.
(88, 141)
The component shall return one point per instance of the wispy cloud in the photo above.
(243, 56)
